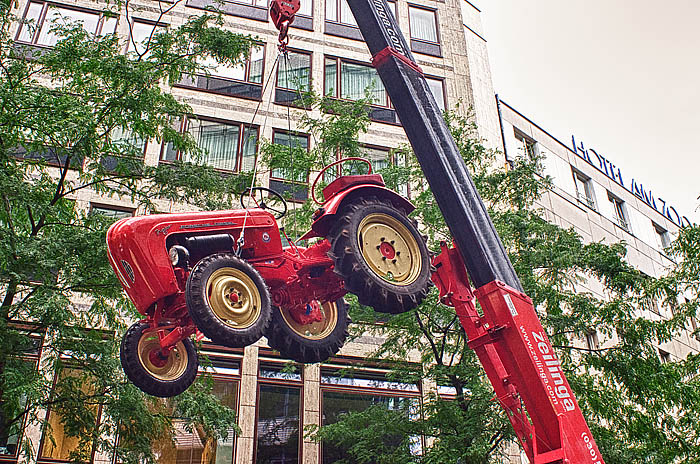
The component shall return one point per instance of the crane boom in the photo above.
(508, 337)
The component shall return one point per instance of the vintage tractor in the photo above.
(226, 274)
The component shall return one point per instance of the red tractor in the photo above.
(227, 275)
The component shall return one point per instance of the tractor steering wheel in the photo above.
(255, 198)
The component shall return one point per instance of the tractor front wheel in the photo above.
(312, 342)
(228, 300)
(150, 370)
(381, 255)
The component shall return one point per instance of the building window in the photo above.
(664, 356)
(227, 146)
(142, 32)
(437, 88)
(114, 212)
(424, 31)
(349, 81)
(249, 71)
(62, 443)
(527, 146)
(194, 447)
(292, 180)
(343, 394)
(663, 238)
(338, 11)
(619, 212)
(293, 77)
(24, 366)
(423, 24)
(584, 189)
(243, 80)
(40, 18)
(592, 342)
(278, 425)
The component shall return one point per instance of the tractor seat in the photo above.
(345, 182)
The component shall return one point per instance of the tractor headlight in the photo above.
(179, 256)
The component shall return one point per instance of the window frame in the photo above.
(434, 11)
(249, 10)
(620, 217)
(308, 147)
(43, 441)
(586, 197)
(444, 90)
(130, 43)
(424, 46)
(116, 208)
(29, 358)
(184, 125)
(339, 28)
(338, 80)
(42, 18)
(363, 390)
(279, 382)
(528, 144)
(297, 92)
(663, 237)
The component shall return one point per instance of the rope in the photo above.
(241, 238)
(289, 132)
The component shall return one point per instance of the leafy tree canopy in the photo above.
(61, 110)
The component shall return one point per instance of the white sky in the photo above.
(622, 76)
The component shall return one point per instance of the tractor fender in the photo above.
(328, 211)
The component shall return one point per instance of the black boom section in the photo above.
(454, 190)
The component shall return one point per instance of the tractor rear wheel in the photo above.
(146, 367)
(381, 255)
(228, 300)
(313, 342)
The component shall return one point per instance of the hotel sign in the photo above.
(605, 166)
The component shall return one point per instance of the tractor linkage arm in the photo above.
(507, 335)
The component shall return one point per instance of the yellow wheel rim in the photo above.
(389, 249)
(316, 330)
(174, 366)
(233, 297)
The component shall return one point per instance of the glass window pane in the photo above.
(330, 73)
(306, 8)
(195, 447)
(28, 30)
(278, 425)
(140, 34)
(294, 73)
(377, 156)
(64, 16)
(218, 141)
(423, 26)
(257, 58)
(355, 78)
(250, 145)
(224, 70)
(331, 10)
(436, 88)
(109, 26)
(346, 16)
(293, 141)
(111, 212)
(392, 8)
(62, 444)
(336, 404)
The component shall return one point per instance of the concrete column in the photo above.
(245, 443)
(311, 450)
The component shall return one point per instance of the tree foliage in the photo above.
(60, 111)
(639, 408)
